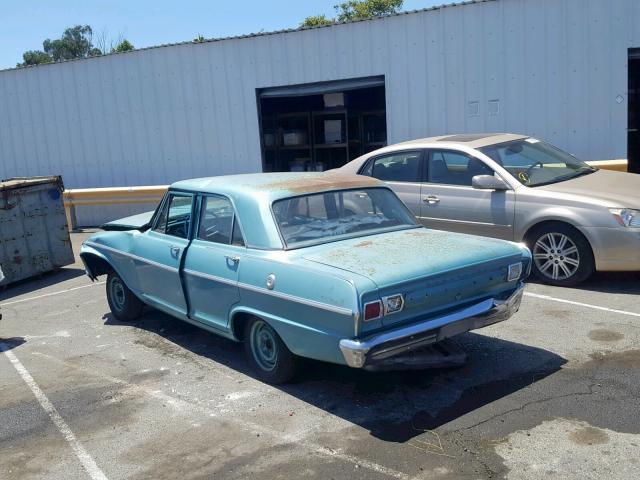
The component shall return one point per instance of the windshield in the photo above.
(535, 163)
(325, 217)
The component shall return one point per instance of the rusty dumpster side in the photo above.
(34, 237)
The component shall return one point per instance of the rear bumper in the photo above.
(368, 351)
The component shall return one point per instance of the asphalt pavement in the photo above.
(552, 393)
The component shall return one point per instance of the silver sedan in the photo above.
(575, 218)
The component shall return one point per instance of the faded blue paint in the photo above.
(320, 290)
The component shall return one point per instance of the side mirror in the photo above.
(489, 182)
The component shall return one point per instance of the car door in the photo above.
(159, 252)
(402, 171)
(450, 202)
(213, 261)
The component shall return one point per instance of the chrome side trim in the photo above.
(451, 220)
(293, 298)
(246, 286)
(207, 276)
(131, 255)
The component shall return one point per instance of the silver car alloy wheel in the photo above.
(556, 256)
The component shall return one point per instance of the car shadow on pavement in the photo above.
(606, 282)
(613, 282)
(38, 282)
(394, 406)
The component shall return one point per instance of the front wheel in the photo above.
(124, 305)
(562, 256)
(272, 361)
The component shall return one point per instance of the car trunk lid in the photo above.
(434, 270)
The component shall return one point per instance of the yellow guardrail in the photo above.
(621, 165)
(85, 197)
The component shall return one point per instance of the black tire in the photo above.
(551, 264)
(267, 354)
(124, 305)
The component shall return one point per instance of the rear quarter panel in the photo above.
(311, 309)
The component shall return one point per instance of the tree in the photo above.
(355, 10)
(124, 46)
(76, 42)
(361, 9)
(316, 21)
(34, 57)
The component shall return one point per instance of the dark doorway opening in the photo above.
(633, 130)
(316, 127)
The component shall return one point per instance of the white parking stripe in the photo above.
(580, 304)
(85, 459)
(28, 299)
(186, 405)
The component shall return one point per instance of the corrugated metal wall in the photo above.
(554, 68)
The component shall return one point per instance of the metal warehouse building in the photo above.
(311, 99)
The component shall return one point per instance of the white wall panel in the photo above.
(158, 115)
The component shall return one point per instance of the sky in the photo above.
(24, 24)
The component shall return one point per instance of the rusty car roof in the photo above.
(274, 186)
(253, 194)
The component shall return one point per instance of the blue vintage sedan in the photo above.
(321, 265)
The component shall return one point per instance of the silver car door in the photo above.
(449, 202)
(402, 171)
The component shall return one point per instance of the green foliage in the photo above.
(361, 9)
(199, 39)
(124, 46)
(34, 57)
(355, 10)
(316, 21)
(74, 43)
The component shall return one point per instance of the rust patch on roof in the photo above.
(320, 183)
(366, 243)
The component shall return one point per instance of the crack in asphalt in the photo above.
(525, 405)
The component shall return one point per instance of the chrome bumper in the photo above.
(359, 353)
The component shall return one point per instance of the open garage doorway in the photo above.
(320, 126)
(633, 131)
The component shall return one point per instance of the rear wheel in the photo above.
(124, 305)
(268, 355)
(562, 256)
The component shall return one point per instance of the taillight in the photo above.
(372, 310)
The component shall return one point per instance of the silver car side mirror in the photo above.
(489, 182)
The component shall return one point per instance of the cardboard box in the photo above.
(333, 131)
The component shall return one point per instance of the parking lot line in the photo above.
(37, 297)
(186, 405)
(580, 304)
(86, 460)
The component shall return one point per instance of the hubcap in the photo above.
(556, 256)
(117, 293)
(263, 345)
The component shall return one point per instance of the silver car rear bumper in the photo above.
(359, 353)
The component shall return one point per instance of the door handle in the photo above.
(232, 258)
(431, 199)
(175, 251)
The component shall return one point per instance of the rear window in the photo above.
(324, 217)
